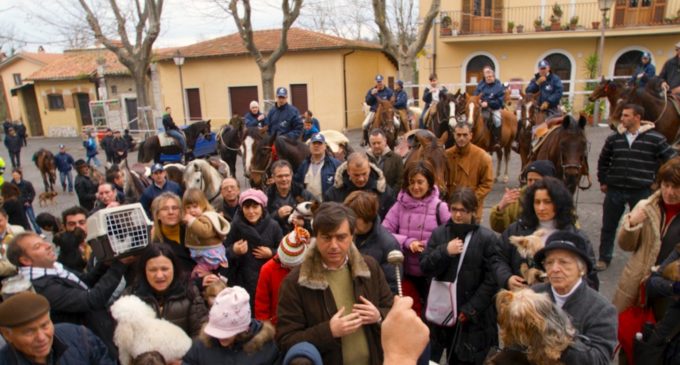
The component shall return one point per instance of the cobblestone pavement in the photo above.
(589, 201)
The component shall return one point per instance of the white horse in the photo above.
(200, 174)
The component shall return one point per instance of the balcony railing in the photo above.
(575, 17)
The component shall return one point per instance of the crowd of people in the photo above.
(252, 277)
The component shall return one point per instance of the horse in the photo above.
(481, 135)
(201, 175)
(258, 157)
(525, 126)
(338, 143)
(426, 146)
(175, 172)
(444, 115)
(567, 147)
(150, 149)
(44, 160)
(229, 141)
(613, 90)
(134, 182)
(384, 120)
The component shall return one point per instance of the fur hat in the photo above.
(230, 315)
(22, 308)
(568, 241)
(292, 247)
(255, 195)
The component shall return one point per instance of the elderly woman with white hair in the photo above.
(565, 260)
(255, 118)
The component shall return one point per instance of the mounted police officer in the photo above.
(549, 87)
(644, 71)
(284, 119)
(431, 95)
(491, 93)
(379, 91)
(401, 105)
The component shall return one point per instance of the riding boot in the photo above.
(496, 133)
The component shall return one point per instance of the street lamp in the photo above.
(179, 61)
(604, 6)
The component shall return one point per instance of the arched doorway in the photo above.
(627, 63)
(561, 66)
(473, 71)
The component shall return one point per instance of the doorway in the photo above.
(240, 98)
(194, 104)
(298, 93)
(32, 113)
(83, 102)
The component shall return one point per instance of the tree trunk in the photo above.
(267, 75)
(407, 73)
(144, 110)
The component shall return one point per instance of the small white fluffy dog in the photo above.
(139, 331)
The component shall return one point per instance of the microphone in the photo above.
(396, 258)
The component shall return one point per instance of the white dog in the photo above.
(139, 331)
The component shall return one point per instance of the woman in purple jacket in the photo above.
(417, 212)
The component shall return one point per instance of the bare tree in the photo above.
(343, 18)
(409, 40)
(135, 53)
(267, 65)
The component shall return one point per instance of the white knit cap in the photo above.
(230, 315)
(292, 247)
(254, 103)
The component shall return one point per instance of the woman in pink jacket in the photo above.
(417, 212)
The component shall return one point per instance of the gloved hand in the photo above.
(540, 80)
(545, 105)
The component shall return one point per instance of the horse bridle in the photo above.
(579, 166)
(263, 172)
(224, 144)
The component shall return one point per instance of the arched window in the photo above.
(562, 67)
(627, 62)
(473, 71)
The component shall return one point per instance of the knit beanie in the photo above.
(292, 247)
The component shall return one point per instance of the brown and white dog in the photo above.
(532, 321)
(48, 197)
(527, 246)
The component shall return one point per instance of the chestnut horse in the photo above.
(424, 145)
(481, 134)
(444, 115)
(613, 90)
(567, 148)
(525, 126)
(44, 160)
(384, 119)
(258, 155)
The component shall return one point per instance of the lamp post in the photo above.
(604, 6)
(179, 61)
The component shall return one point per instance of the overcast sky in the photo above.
(183, 21)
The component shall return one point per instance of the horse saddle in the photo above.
(541, 134)
(165, 140)
(675, 101)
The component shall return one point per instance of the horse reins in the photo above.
(263, 173)
(221, 139)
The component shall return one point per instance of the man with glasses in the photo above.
(285, 194)
(160, 184)
(670, 73)
(229, 192)
(284, 119)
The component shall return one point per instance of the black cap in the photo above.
(568, 241)
(542, 167)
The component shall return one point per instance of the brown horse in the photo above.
(258, 155)
(659, 109)
(424, 145)
(151, 148)
(525, 126)
(444, 115)
(44, 160)
(384, 119)
(481, 134)
(613, 90)
(567, 148)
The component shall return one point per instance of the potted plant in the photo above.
(520, 28)
(596, 25)
(573, 22)
(538, 24)
(511, 26)
(445, 25)
(556, 17)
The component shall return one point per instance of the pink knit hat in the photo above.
(292, 247)
(254, 195)
(230, 315)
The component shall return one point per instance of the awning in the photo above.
(15, 91)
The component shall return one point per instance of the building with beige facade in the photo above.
(470, 34)
(325, 74)
(19, 93)
(65, 88)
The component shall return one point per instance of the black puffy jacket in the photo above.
(378, 243)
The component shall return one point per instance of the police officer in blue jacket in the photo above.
(379, 91)
(550, 87)
(284, 119)
(492, 94)
(401, 104)
(644, 71)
